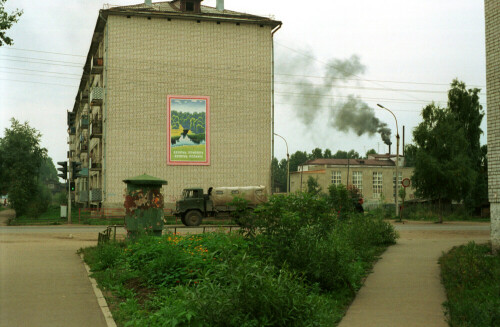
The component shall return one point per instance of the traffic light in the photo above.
(63, 169)
(71, 186)
(76, 167)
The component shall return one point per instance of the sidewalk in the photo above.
(43, 281)
(405, 289)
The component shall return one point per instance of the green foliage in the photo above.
(448, 159)
(313, 186)
(471, 276)
(340, 200)
(300, 267)
(39, 202)
(369, 152)
(20, 159)
(6, 22)
(194, 122)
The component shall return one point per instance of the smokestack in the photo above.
(148, 2)
(220, 5)
(390, 149)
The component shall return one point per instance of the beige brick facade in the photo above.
(146, 58)
(362, 176)
(492, 19)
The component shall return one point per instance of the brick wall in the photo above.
(324, 177)
(147, 60)
(492, 19)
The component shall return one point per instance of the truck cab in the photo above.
(192, 207)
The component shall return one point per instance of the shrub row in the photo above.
(298, 263)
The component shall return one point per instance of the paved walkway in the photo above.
(43, 281)
(404, 289)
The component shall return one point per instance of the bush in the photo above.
(40, 202)
(242, 292)
(471, 276)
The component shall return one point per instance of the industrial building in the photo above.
(176, 90)
(374, 177)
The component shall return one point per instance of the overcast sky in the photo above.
(411, 51)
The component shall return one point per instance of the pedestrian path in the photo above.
(43, 281)
(405, 289)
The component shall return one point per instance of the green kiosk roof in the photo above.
(145, 180)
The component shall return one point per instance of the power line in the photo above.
(41, 59)
(39, 51)
(40, 75)
(13, 80)
(40, 71)
(43, 63)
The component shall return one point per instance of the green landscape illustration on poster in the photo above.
(187, 130)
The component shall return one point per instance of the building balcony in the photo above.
(95, 195)
(95, 164)
(72, 131)
(84, 122)
(96, 96)
(96, 128)
(96, 65)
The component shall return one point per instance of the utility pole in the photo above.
(397, 161)
(70, 178)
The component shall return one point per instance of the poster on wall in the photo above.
(188, 130)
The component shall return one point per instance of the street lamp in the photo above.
(287, 165)
(397, 159)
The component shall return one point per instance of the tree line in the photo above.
(25, 170)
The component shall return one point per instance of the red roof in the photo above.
(352, 162)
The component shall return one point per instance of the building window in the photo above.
(336, 177)
(377, 185)
(400, 179)
(357, 180)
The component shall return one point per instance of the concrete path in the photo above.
(405, 289)
(43, 281)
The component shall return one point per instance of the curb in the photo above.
(100, 298)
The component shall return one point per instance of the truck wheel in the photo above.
(183, 220)
(193, 218)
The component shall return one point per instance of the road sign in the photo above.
(406, 182)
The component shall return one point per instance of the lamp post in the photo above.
(287, 165)
(397, 159)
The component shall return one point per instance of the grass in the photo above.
(300, 270)
(51, 217)
(471, 277)
(425, 212)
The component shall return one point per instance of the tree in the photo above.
(410, 154)
(6, 22)
(369, 152)
(20, 159)
(313, 186)
(327, 154)
(443, 167)
(316, 154)
(297, 159)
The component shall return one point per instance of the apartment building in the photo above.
(374, 176)
(176, 90)
(492, 20)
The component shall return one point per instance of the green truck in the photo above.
(195, 205)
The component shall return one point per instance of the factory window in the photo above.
(336, 177)
(377, 185)
(400, 179)
(357, 180)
